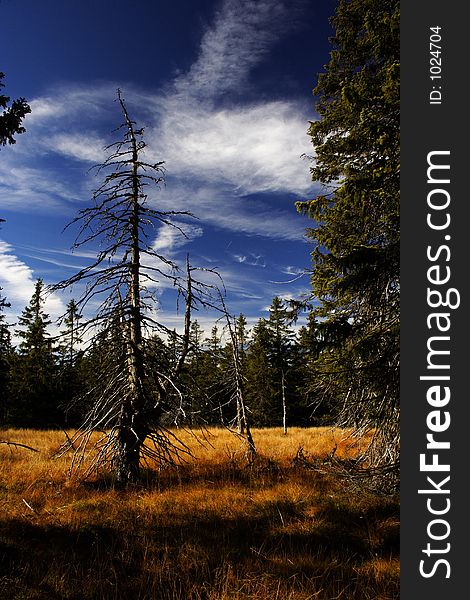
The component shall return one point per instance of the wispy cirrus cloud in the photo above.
(251, 149)
(224, 156)
(215, 153)
(25, 188)
(248, 147)
(175, 235)
(79, 146)
(240, 37)
(232, 160)
(221, 207)
(253, 260)
(19, 280)
(292, 270)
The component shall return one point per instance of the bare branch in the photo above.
(18, 445)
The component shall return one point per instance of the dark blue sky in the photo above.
(224, 90)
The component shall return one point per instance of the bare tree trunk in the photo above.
(284, 407)
(240, 423)
(72, 339)
(251, 448)
(132, 432)
(127, 459)
(243, 424)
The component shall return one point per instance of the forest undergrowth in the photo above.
(211, 528)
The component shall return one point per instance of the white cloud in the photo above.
(254, 260)
(44, 109)
(252, 149)
(17, 280)
(214, 154)
(78, 104)
(15, 276)
(26, 188)
(216, 205)
(53, 261)
(80, 146)
(171, 237)
(292, 270)
(242, 34)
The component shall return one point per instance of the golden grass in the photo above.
(210, 529)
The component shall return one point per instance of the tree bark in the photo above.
(284, 407)
(132, 432)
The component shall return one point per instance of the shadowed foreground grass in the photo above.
(213, 528)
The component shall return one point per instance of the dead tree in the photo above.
(18, 445)
(127, 399)
(284, 404)
(238, 394)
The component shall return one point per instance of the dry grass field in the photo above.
(212, 528)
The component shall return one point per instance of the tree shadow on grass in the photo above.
(190, 558)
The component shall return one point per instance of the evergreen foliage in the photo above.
(47, 385)
(71, 336)
(355, 261)
(262, 391)
(71, 366)
(11, 117)
(205, 380)
(33, 382)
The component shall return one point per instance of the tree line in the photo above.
(46, 378)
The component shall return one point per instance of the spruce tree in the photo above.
(70, 335)
(35, 321)
(355, 261)
(11, 116)
(71, 365)
(34, 381)
(195, 385)
(262, 389)
(320, 405)
(211, 379)
(281, 353)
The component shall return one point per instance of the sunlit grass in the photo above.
(212, 528)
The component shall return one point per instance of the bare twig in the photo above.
(18, 445)
(30, 507)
